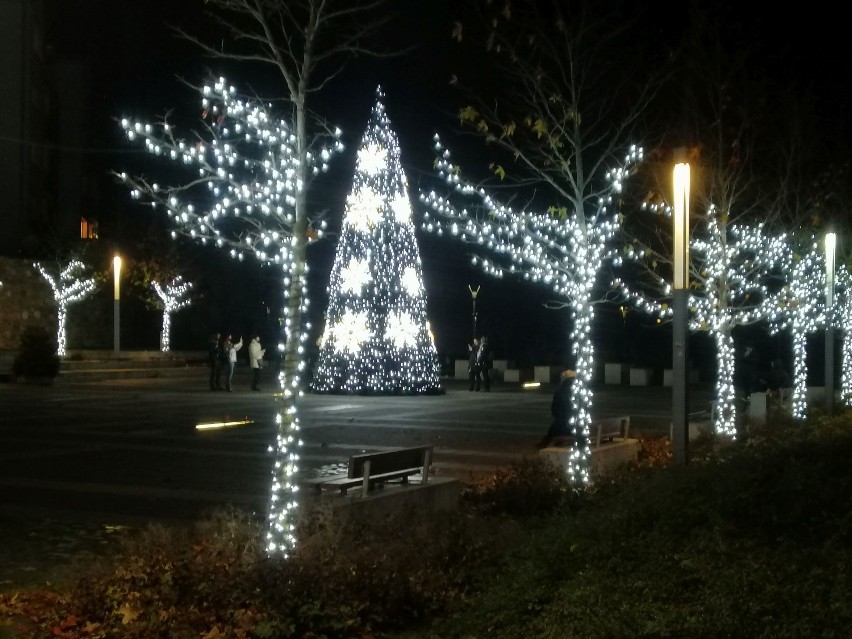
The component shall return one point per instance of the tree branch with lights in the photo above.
(173, 296)
(558, 134)
(70, 285)
(245, 175)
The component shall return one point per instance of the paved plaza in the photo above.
(81, 459)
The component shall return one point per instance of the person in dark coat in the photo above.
(560, 432)
(777, 378)
(473, 371)
(483, 360)
(213, 358)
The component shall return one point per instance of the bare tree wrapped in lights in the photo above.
(553, 108)
(802, 311)
(69, 286)
(376, 337)
(174, 296)
(735, 279)
(247, 174)
(843, 319)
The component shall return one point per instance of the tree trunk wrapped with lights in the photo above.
(245, 191)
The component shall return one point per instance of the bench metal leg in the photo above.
(427, 462)
(365, 486)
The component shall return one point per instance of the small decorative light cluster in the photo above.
(561, 252)
(376, 338)
(247, 173)
(802, 311)
(70, 286)
(735, 273)
(174, 297)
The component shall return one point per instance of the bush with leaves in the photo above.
(36, 357)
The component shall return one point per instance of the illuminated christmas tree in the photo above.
(376, 337)
(71, 285)
(174, 297)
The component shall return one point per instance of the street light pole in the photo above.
(116, 339)
(830, 246)
(473, 295)
(680, 309)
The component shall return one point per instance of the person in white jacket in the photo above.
(255, 359)
(231, 349)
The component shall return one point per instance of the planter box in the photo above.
(605, 458)
(640, 376)
(543, 374)
(614, 372)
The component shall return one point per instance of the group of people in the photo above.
(222, 358)
(479, 364)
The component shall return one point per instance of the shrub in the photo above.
(36, 356)
(531, 486)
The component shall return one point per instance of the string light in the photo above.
(736, 274)
(376, 338)
(561, 252)
(69, 287)
(246, 178)
(174, 297)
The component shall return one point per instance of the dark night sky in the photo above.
(136, 58)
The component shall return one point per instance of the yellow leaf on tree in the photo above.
(500, 171)
(540, 128)
(482, 127)
(468, 114)
(509, 130)
(457, 31)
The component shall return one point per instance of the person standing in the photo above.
(473, 372)
(231, 349)
(213, 352)
(483, 360)
(255, 360)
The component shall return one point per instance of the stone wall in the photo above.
(25, 300)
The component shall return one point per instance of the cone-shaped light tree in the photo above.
(174, 296)
(376, 337)
(247, 176)
(69, 286)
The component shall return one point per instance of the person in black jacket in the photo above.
(473, 372)
(483, 360)
(560, 432)
(213, 358)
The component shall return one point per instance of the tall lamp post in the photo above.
(680, 309)
(116, 339)
(473, 295)
(830, 246)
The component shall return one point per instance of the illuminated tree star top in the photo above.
(247, 160)
(379, 186)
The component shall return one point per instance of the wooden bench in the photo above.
(600, 430)
(608, 428)
(374, 469)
